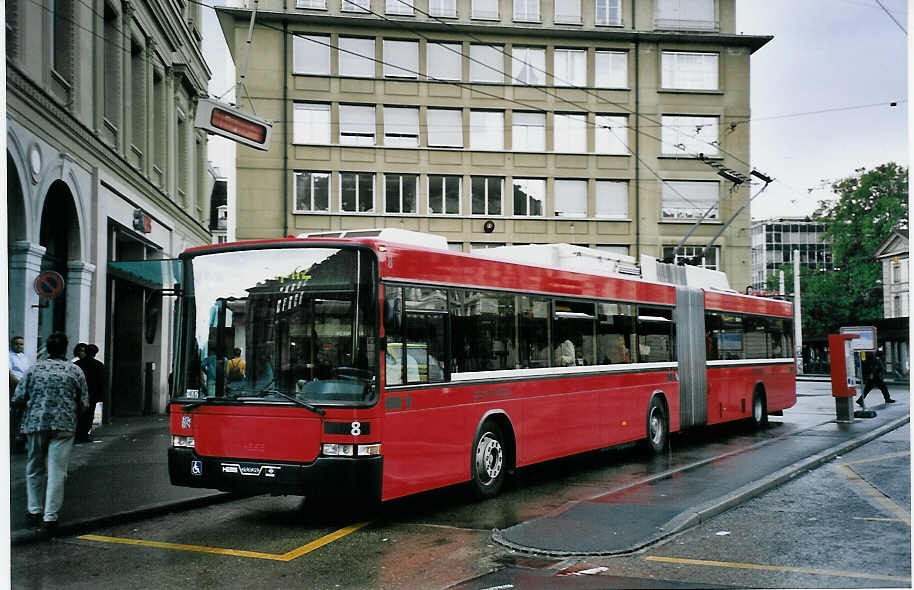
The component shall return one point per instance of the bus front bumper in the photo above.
(335, 477)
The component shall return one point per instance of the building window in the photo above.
(571, 198)
(444, 194)
(401, 59)
(401, 127)
(62, 39)
(443, 61)
(693, 254)
(688, 135)
(356, 57)
(612, 199)
(445, 127)
(356, 192)
(608, 12)
(611, 135)
(487, 63)
(182, 168)
(138, 97)
(158, 122)
(568, 11)
(400, 7)
(527, 10)
(312, 4)
(896, 273)
(312, 192)
(528, 65)
(400, 193)
(357, 5)
(528, 132)
(485, 9)
(690, 199)
(570, 67)
(486, 195)
(357, 124)
(611, 69)
(529, 197)
(112, 40)
(311, 55)
(487, 130)
(570, 133)
(684, 15)
(446, 8)
(311, 123)
(684, 70)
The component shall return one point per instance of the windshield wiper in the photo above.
(294, 400)
(194, 405)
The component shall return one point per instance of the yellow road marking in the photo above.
(778, 568)
(867, 488)
(288, 556)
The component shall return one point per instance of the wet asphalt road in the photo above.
(844, 524)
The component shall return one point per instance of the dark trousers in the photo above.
(84, 423)
(880, 384)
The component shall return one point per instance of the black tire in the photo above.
(488, 462)
(658, 427)
(759, 418)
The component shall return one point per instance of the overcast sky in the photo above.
(826, 54)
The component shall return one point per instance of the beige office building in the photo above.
(498, 123)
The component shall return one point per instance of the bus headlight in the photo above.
(369, 450)
(337, 450)
(182, 441)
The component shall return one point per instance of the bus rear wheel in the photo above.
(759, 417)
(488, 462)
(658, 426)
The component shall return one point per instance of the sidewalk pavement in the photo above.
(123, 474)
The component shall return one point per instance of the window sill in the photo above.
(527, 21)
(688, 157)
(570, 23)
(617, 25)
(711, 91)
(691, 221)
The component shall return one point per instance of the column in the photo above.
(79, 306)
(24, 268)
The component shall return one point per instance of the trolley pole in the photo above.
(797, 315)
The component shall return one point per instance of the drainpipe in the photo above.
(285, 128)
(637, 143)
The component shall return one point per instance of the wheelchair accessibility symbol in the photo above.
(196, 467)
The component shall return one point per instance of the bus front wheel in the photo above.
(488, 461)
(759, 417)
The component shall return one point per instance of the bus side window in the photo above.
(615, 332)
(426, 342)
(393, 334)
(656, 331)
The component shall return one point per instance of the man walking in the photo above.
(53, 393)
(94, 370)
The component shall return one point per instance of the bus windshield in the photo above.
(280, 325)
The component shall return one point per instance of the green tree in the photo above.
(869, 205)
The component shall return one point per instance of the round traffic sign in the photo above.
(49, 284)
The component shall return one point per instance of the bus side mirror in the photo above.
(392, 314)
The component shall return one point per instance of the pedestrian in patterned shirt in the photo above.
(53, 393)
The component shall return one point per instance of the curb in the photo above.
(24, 537)
(708, 510)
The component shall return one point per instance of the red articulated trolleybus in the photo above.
(377, 364)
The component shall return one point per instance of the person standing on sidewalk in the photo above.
(53, 393)
(94, 370)
(874, 376)
(19, 364)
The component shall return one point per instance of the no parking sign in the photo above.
(49, 284)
